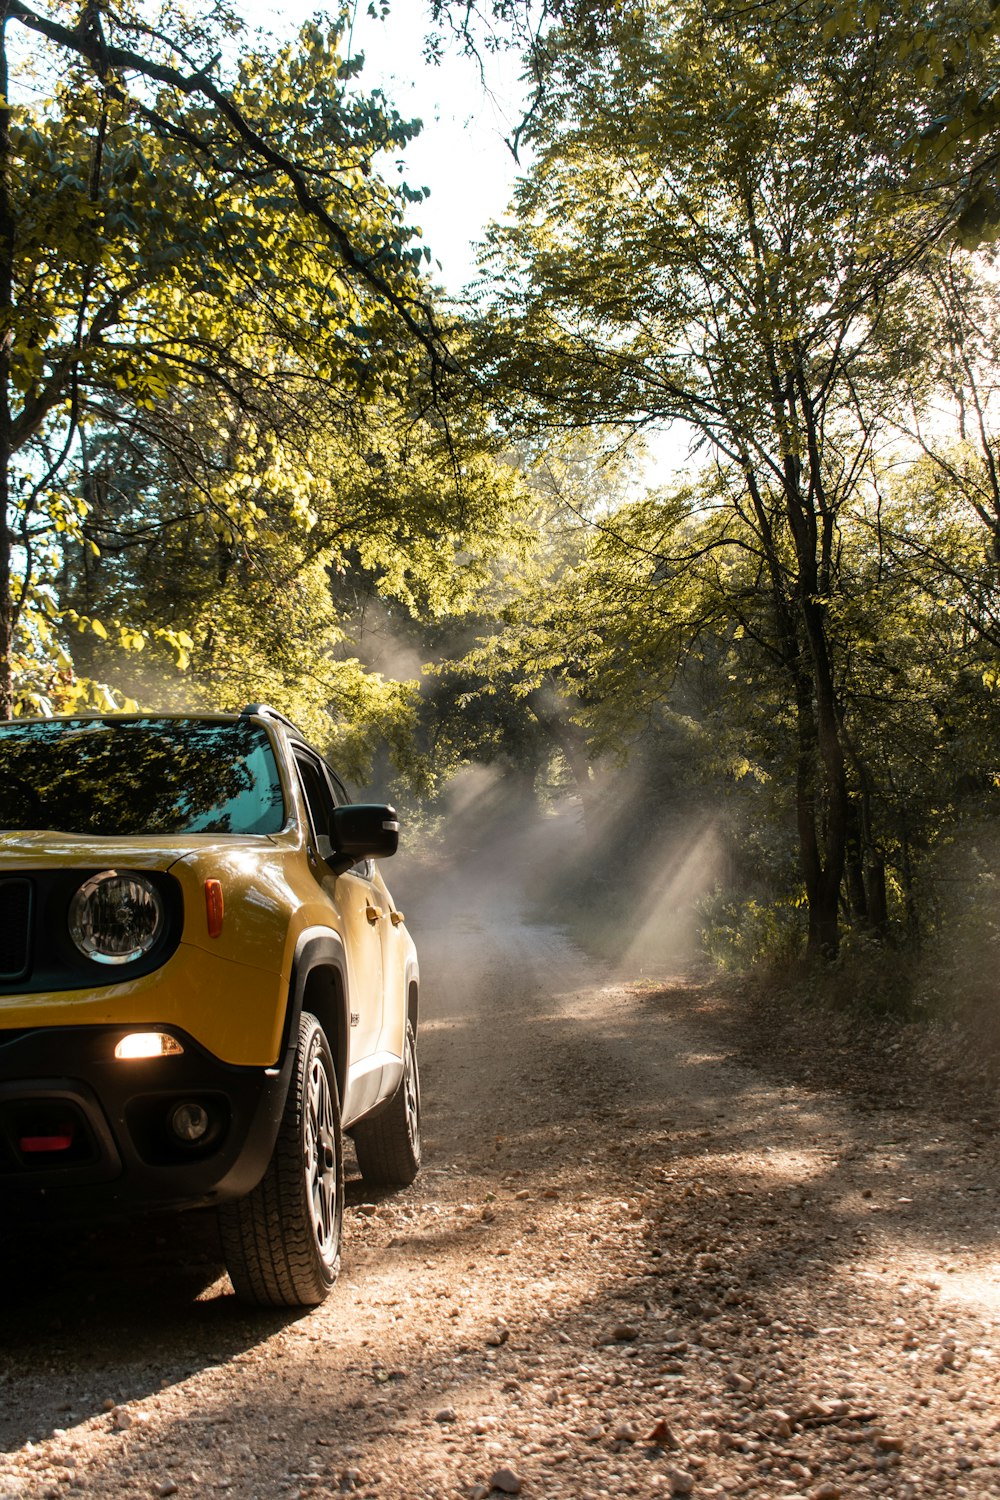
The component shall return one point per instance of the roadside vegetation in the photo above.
(249, 452)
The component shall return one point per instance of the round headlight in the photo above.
(115, 917)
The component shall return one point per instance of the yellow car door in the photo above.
(359, 911)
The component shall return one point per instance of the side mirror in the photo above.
(362, 830)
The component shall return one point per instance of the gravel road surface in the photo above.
(660, 1246)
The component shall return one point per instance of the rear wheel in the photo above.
(388, 1145)
(282, 1241)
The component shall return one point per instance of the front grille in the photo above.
(15, 927)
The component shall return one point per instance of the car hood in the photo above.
(30, 850)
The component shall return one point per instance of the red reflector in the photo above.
(45, 1143)
(215, 907)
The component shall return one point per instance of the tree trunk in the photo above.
(909, 893)
(6, 345)
(820, 775)
(811, 525)
(854, 869)
(878, 903)
(822, 800)
(824, 936)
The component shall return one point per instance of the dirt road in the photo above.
(652, 1252)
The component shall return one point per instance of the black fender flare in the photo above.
(319, 970)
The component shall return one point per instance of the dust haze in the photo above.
(631, 890)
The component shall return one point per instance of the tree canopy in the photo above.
(179, 228)
(723, 226)
(238, 423)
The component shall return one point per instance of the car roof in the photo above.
(254, 711)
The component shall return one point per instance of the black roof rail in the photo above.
(264, 710)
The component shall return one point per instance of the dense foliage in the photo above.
(245, 455)
(218, 342)
(733, 222)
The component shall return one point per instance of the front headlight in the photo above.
(116, 917)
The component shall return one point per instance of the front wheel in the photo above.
(388, 1145)
(282, 1241)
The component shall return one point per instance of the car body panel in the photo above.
(235, 1010)
(294, 935)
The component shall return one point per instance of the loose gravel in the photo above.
(665, 1242)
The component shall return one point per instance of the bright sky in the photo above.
(460, 154)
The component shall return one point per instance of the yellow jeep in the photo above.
(203, 981)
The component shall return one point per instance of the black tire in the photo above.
(282, 1241)
(388, 1145)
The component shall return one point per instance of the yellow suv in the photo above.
(203, 981)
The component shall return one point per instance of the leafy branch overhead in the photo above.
(382, 264)
(188, 222)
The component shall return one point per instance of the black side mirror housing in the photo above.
(362, 830)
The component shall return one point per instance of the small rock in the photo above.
(499, 1336)
(446, 1414)
(487, 1216)
(522, 1195)
(625, 1433)
(550, 1192)
(478, 1492)
(681, 1481)
(121, 1420)
(624, 1333)
(349, 1481)
(483, 1425)
(662, 1436)
(738, 1382)
(813, 1408)
(166, 1487)
(506, 1480)
(888, 1444)
(367, 1210)
(826, 1491)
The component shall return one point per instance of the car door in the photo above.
(359, 906)
(395, 946)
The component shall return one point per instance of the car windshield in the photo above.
(136, 776)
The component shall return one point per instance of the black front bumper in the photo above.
(82, 1132)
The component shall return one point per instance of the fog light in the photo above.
(189, 1122)
(148, 1044)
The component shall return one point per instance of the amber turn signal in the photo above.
(215, 907)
